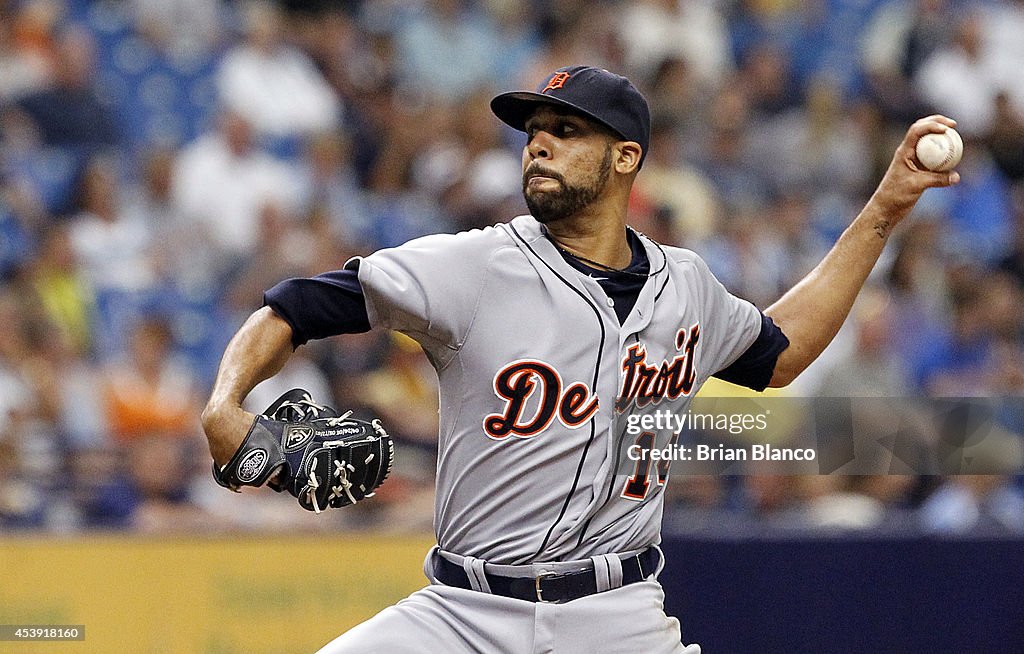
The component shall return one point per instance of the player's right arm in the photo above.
(256, 352)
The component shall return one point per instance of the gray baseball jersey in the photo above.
(537, 378)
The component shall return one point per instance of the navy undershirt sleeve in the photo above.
(321, 306)
(755, 367)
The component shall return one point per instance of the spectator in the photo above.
(519, 35)
(65, 385)
(724, 157)
(71, 114)
(404, 394)
(570, 35)
(1005, 139)
(683, 103)
(183, 28)
(899, 38)
(22, 501)
(469, 170)
(287, 249)
(221, 182)
(27, 50)
(856, 501)
(149, 392)
(176, 253)
(767, 77)
(446, 50)
(975, 503)
(691, 30)
(15, 387)
(17, 238)
(160, 479)
(980, 216)
(330, 187)
(817, 145)
(690, 200)
(399, 208)
(120, 284)
(1003, 23)
(271, 85)
(964, 78)
(101, 226)
(61, 292)
(956, 361)
(1013, 262)
(870, 368)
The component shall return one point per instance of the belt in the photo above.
(548, 587)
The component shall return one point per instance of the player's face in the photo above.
(566, 164)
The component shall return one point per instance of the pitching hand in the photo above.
(906, 179)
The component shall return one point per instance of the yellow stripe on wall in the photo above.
(206, 595)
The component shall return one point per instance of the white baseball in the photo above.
(940, 152)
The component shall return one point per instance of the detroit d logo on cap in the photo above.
(557, 81)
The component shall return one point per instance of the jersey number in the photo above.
(637, 485)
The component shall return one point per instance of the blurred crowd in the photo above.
(163, 162)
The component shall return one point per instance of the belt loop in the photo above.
(607, 571)
(661, 563)
(428, 563)
(474, 568)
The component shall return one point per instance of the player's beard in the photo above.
(549, 206)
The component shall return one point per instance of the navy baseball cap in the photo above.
(610, 99)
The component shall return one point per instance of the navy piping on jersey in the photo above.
(664, 284)
(597, 374)
(624, 289)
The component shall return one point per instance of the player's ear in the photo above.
(628, 156)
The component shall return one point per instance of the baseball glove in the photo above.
(323, 458)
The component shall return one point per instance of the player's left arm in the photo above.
(811, 313)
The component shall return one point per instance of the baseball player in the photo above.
(547, 333)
